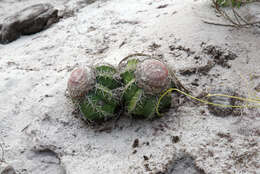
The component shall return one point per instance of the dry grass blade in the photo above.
(238, 22)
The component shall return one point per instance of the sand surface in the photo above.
(41, 133)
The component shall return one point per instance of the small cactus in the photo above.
(144, 83)
(101, 102)
(153, 76)
(81, 81)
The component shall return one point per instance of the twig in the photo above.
(239, 19)
(224, 14)
(235, 14)
(132, 55)
(219, 24)
(177, 82)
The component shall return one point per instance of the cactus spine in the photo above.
(143, 84)
(81, 80)
(100, 100)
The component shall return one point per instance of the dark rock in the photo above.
(145, 158)
(175, 139)
(8, 34)
(135, 143)
(30, 20)
(219, 110)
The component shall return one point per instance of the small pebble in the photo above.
(135, 143)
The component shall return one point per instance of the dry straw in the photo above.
(237, 20)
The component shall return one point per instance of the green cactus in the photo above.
(140, 102)
(99, 91)
(102, 101)
(105, 75)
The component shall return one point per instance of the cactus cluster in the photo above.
(137, 86)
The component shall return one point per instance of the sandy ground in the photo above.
(41, 133)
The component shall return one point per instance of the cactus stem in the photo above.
(98, 109)
(104, 90)
(134, 101)
(128, 86)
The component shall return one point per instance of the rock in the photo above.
(8, 34)
(6, 168)
(30, 20)
(218, 110)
